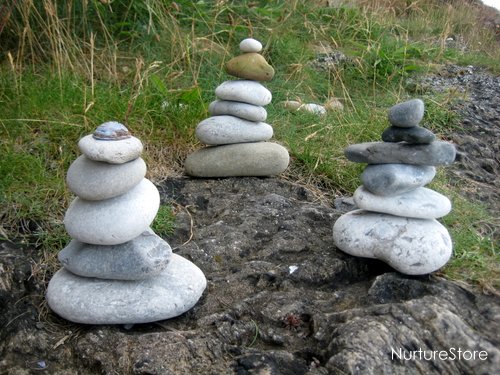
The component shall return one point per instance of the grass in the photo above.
(67, 67)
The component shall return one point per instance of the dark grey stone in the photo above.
(435, 153)
(407, 114)
(394, 179)
(415, 135)
(144, 256)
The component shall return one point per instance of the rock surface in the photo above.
(99, 301)
(281, 300)
(145, 256)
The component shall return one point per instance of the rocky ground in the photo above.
(281, 299)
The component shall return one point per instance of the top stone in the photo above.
(407, 114)
(111, 131)
(250, 45)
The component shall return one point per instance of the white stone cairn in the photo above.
(116, 270)
(396, 219)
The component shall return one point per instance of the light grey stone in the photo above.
(313, 108)
(140, 258)
(111, 131)
(115, 220)
(420, 203)
(245, 111)
(114, 152)
(415, 135)
(98, 301)
(244, 159)
(411, 246)
(394, 179)
(250, 45)
(221, 130)
(435, 153)
(407, 114)
(96, 180)
(245, 91)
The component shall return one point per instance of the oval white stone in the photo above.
(421, 203)
(245, 91)
(95, 180)
(236, 160)
(114, 152)
(221, 130)
(115, 220)
(411, 246)
(250, 45)
(99, 301)
(245, 111)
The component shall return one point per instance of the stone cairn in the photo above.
(116, 270)
(396, 220)
(235, 133)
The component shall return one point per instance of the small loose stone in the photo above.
(111, 131)
(250, 45)
(407, 114)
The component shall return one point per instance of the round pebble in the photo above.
(411, 246)
(145, 256)
(111, 131)
(407, 114)
(420, 203)
(95, 180)
(245, 111)
(116, 152)
(250, 45)
(98, 301)
(245, 91)
(221, 130)
(115, 220)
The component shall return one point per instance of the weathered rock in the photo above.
(393, 179)
(244, 91)
(115, 220)
(114, 152)
(95, 180)
(221, 130)
(407, 114)
(436, 153)
(250, 45)
(245, 233)
(145, 256)
(251, 66)
(411, 246)
(244, 159)
(420, 203)
(415, 134)
(97, 301)
(245, 111)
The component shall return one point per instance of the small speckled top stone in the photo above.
(111, 131)
(250, 45)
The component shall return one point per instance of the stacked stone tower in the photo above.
(396, 221)
(236, 133)
(116, 270)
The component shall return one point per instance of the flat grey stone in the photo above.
(420, 203)
(394, 179)
(114, 152)
(415, 135)
(221, 130)
(411, 246)
(97, 301)
(115, 220)
(237, 160)
(250, 45)
(245, 91)
(96, 180)
(140, 258)
(245, 111)
(435, 153)
(407, 114)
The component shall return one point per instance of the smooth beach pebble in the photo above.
(114, 152)
(245, 111)
(245, 91)
(250, 45)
